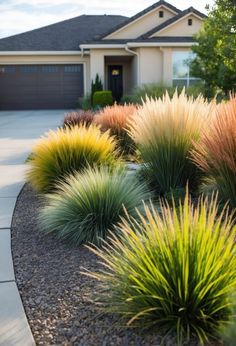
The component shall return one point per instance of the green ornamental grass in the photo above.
(229, 331)
(86, 206)
(174, 270)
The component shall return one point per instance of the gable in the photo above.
(181, 27)
(141, 25)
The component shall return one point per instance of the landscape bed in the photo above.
(119, 256)
(58, 300)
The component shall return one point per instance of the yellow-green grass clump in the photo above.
(66, 151)
(174, 270)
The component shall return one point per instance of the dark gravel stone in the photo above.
(58, 300)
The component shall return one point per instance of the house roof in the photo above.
(69, 34)
(172, 21)
(63, 36)
(164, 39)
(140, 14)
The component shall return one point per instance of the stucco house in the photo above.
(53, 66)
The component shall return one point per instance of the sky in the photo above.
(18, 16)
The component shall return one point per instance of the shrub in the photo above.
(85, 102)
(80, 117)
(117, 119)
(102, 99)
(157, 91)
(173, 271)
(215, 153)
(89, 204)
(152, 90)
(129, 99)
(163, 131)
(64, 151)
(96, 85)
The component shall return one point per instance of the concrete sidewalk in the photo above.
(19, 130)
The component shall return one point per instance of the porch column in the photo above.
(167, 66)
(97, 65)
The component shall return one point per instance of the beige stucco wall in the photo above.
(145, 68)
(150, 65)
(51, 59)
(143, 24)
(134, 72)
(155, 65)
(182, 28)
(97, 61)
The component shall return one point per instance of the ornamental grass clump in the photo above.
(117, 119)
(77, 118)
(89, 204)
(215, 153)
(229, 331)
(174, 270)
(68, 150)
(164, 131)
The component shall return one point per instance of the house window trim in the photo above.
(188, 78)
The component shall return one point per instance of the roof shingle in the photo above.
(62, 36)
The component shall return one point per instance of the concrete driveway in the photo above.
(19, 130)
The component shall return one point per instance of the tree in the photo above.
(215, 60)
(96, 85)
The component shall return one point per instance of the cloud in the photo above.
(22, 15)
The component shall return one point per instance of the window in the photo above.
(49, 69)
(7, 69)
(72, 68)
(29, 69)
(161, 14)
(190, 21)
(181, 70)
(115, 72)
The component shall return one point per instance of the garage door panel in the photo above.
(40, 86)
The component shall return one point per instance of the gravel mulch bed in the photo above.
(58, 300)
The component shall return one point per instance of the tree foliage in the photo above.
(96, 85)
(215, 60)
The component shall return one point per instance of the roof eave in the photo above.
(102, 46)
(138, 45)
(161, 44)
(46, 52)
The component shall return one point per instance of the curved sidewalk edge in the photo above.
(19, 130)
(14, 327)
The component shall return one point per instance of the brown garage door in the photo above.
(40, 86)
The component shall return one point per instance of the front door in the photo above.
(115, 81)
